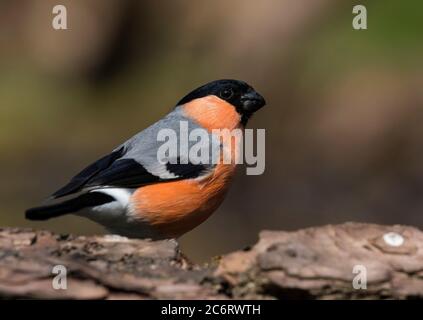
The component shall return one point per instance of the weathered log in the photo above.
(313, 263)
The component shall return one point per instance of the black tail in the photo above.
(85, 200)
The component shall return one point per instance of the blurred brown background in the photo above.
(344, 115)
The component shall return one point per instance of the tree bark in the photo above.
(347, 261)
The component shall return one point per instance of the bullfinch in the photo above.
(135, 193)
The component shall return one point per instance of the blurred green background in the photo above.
(344, 139)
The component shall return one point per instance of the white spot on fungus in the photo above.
(393, 239)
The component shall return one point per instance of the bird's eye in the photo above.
(226, 93)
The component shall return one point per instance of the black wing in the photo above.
(123, 173)
(81, 178)
(114, 172)
(129, 173)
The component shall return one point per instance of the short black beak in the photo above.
(252, 101)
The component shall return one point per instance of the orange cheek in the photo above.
(212, 112)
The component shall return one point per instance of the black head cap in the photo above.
(238, 93)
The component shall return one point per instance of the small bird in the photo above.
(133, 194)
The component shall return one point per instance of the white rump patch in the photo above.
(113, 208)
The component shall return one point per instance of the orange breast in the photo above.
(173, 208)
